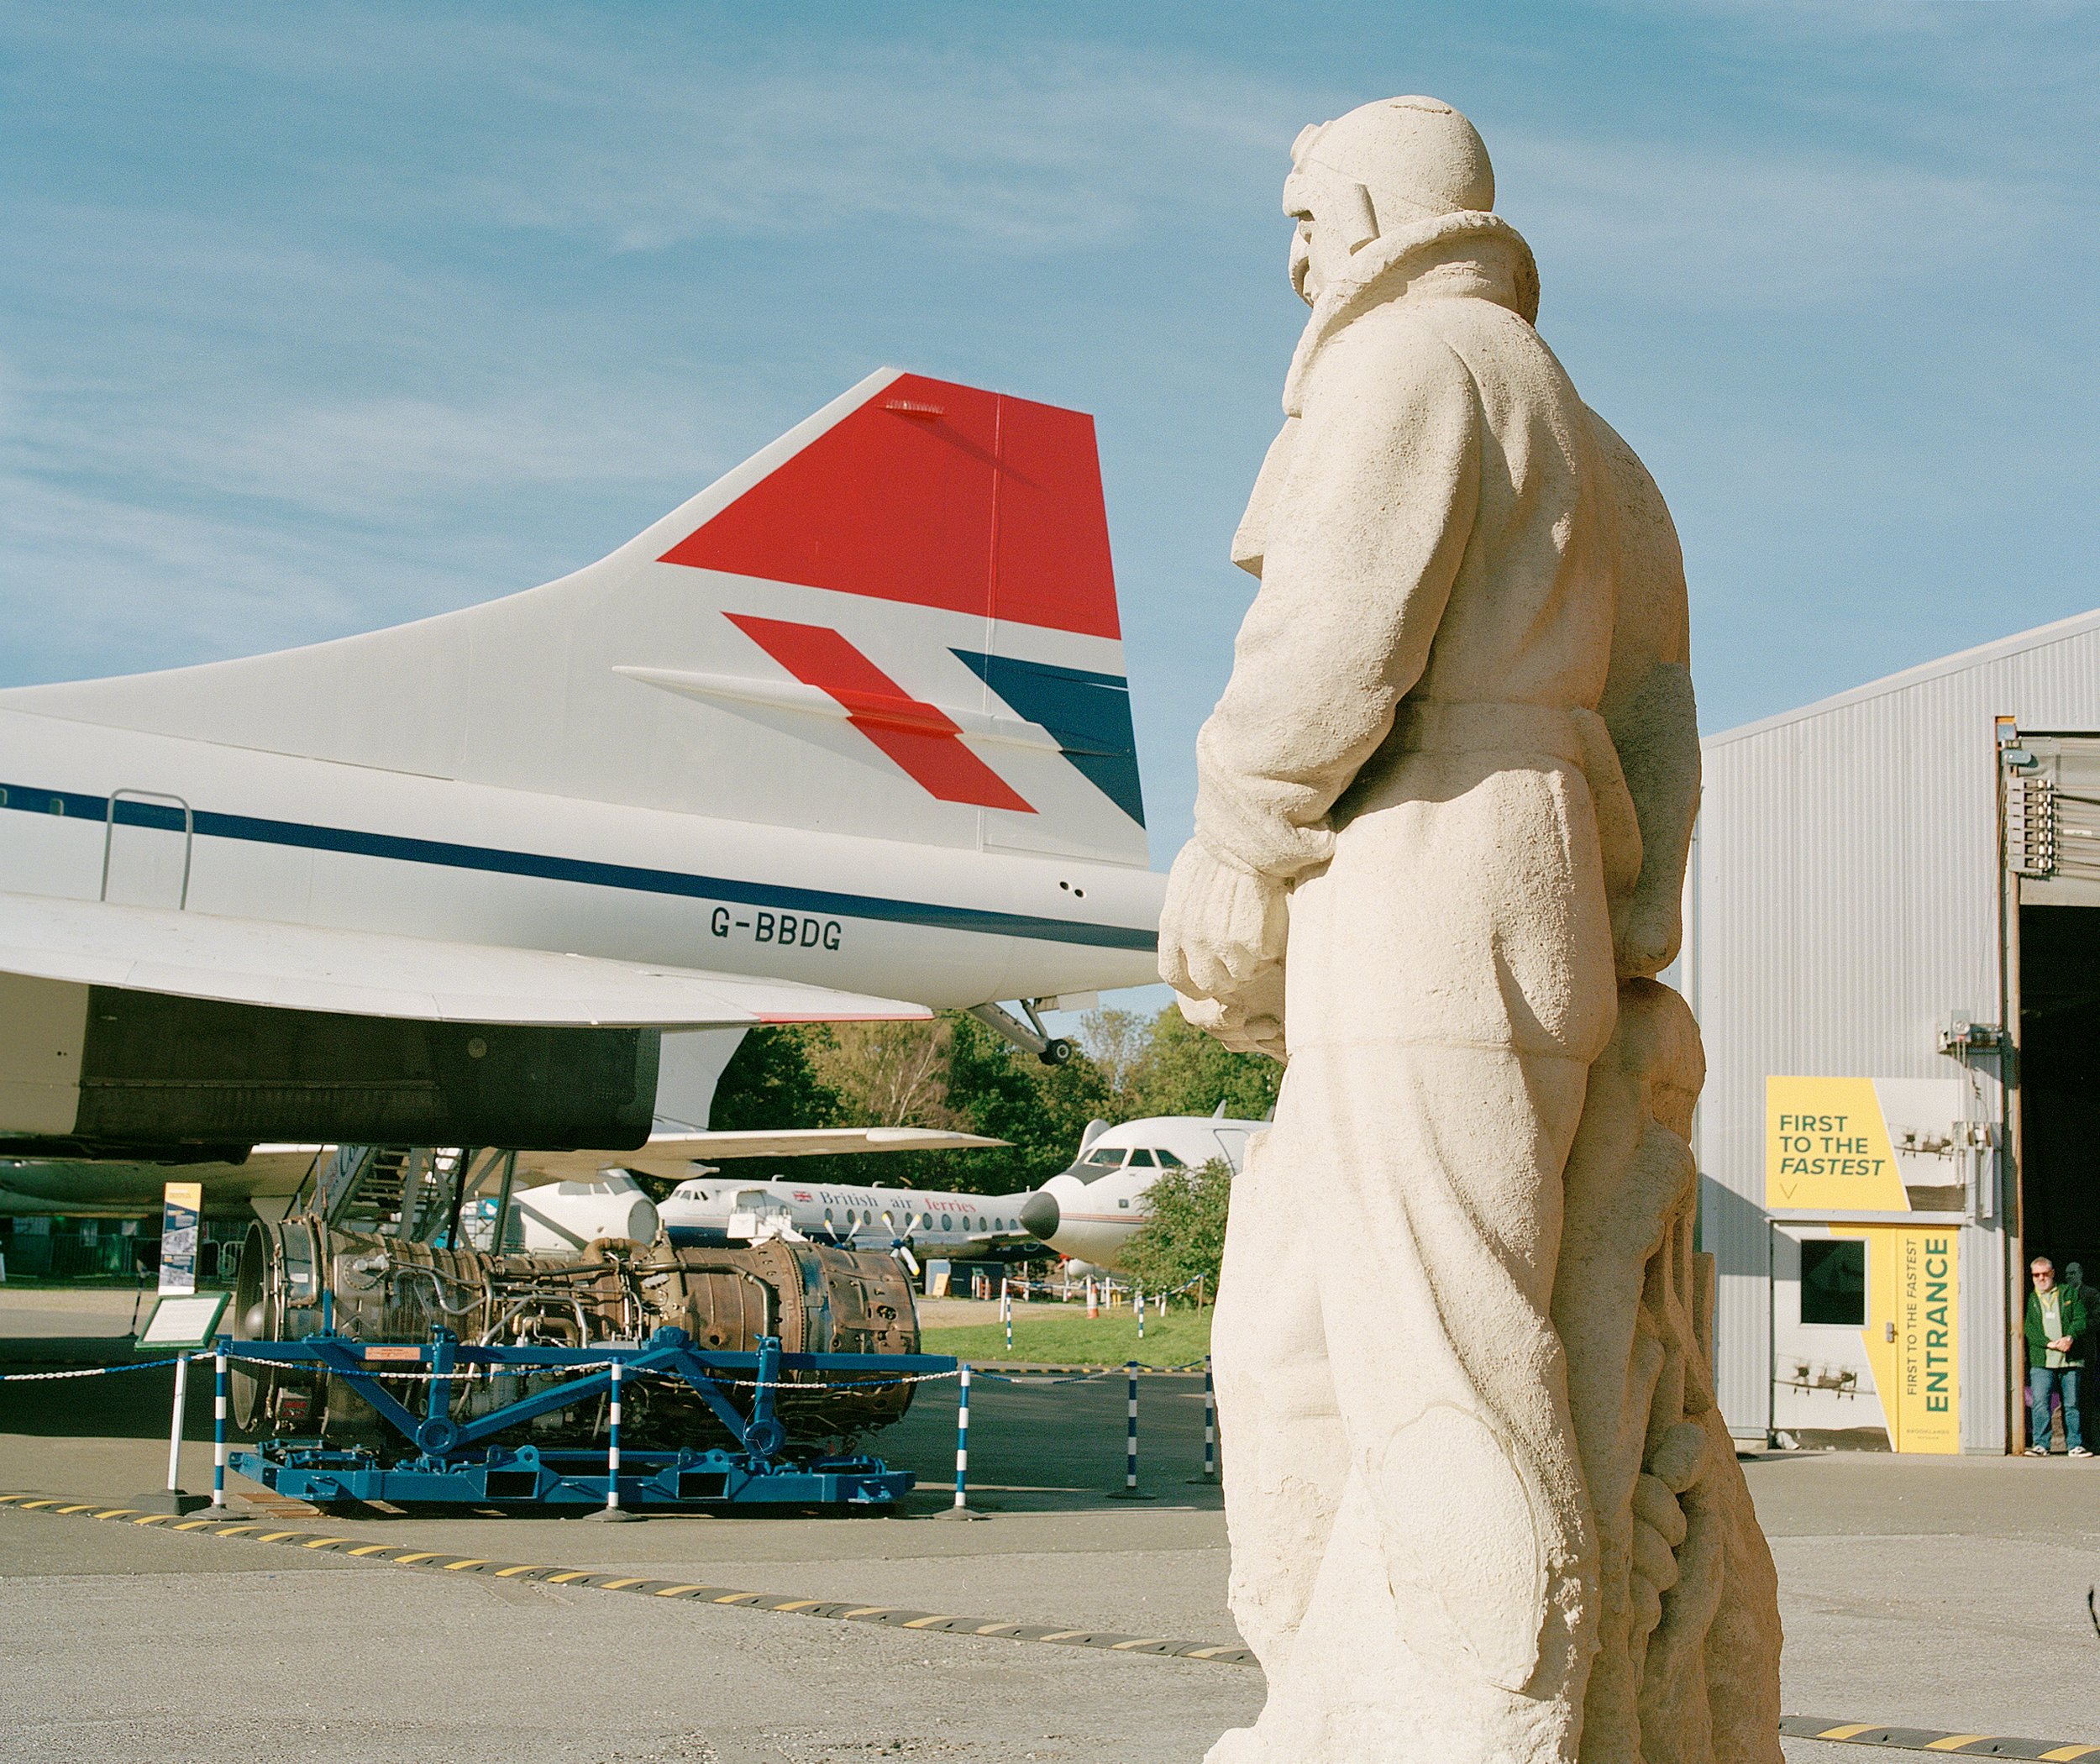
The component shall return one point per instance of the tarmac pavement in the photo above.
(1943, 1593)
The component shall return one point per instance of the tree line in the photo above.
(954, 1072)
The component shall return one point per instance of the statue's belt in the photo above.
(1482, 726)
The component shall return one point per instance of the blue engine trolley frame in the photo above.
(458, 1462)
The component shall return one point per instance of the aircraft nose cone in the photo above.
(1040, 1216)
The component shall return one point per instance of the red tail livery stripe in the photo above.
(940, 496)
(919, 737)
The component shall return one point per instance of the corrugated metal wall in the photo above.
(1845, 901)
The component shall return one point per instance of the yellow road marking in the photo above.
(1139, 1641)
(116, 1512)
(420, 1555)
(153, 1518)
(1955, 1742)
(993, 1628)
(926, 1623)
(797, 1605)
(614, 1586)
(523, 1567)
(563, 1579)
(371, 1549)
(1846, 1731)
(321, 1543)
(1064, 1635)
(5, 1499)
(1210, 1653)
(230, 1531)
(738, 1597)
(276, 1537)
(2064, 1753)
(869, 1610)
(197, 1525)
(81, 1508)
(466, 1561)
(673, 1592)
(27, 1504)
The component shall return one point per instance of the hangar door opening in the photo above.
(2053, 853)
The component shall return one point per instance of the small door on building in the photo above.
(1866, 1334)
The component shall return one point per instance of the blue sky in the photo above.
(315, 319)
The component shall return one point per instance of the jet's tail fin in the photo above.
(898, 620)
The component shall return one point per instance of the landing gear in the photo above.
(1030, 1037)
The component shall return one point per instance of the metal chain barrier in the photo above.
(83, 1371)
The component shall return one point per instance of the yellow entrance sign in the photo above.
(1827, 1148)
(1913, 1333)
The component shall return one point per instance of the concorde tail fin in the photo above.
(898, 620)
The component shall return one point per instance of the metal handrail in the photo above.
(189, 835)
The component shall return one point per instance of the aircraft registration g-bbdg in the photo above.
(847, 736)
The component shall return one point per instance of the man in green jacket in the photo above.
(2055, 1320)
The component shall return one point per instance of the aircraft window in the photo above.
(1106, 1157)
(947, 1224)
(981, 1226)
(1124, 1202)
(1168, 1161)
(1142, 1159)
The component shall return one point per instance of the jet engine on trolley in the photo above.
(301, 1276)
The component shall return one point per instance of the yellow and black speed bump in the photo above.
(451, 1561)
(1921, 1739)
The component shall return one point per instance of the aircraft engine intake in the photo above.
(299, 1275)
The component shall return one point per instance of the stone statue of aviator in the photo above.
(1475, 1479)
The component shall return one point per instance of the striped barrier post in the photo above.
(1129, 1490)
(1210, 1422)
(611, 1510)
(218, 1427)
(962, 1509)
(1141, 1313)
(1130, 1430)
(1006, 1314)
(1093, 1302)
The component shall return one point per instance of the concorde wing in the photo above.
(671, 1154)
(281, 966)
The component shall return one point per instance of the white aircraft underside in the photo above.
(845, 736)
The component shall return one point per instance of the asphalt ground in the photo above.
(1947, 1594)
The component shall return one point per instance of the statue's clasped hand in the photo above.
(1222, 934)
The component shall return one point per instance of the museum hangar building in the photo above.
(1892, 944)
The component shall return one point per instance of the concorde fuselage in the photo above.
(286, 838)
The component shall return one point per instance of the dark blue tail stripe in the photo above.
(1087, 715)
(209, 824)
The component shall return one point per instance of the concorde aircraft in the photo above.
(846, 735)
(1090, 1211)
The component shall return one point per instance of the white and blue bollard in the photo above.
(1209, 1428)
(1210, 1423)
(1141, 1313)
(1006, 1314)
(219, 1429)
(1129, 1491)
(612, 1512)
(962, 1509)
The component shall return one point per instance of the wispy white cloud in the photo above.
(1731, 229)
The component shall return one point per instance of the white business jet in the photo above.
(1090, 1212)
(846, 736)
